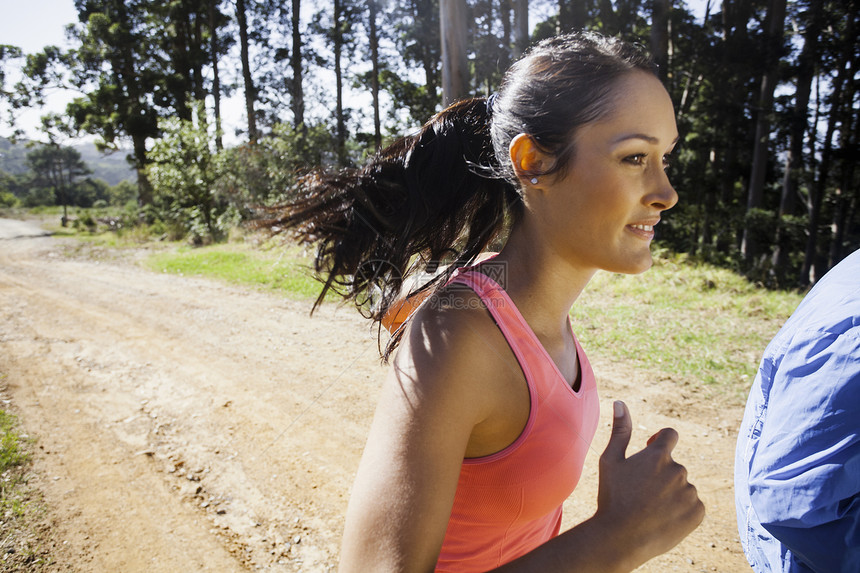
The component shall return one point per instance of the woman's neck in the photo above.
(540, 282)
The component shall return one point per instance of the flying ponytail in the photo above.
(431, 197)
(444, 194)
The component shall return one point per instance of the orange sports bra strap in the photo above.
(514, 327)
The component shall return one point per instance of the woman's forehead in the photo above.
(641, 107)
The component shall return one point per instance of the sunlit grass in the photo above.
(11, 451)
(285, 270)
(693, 323)
(26, 546)
(13, 456)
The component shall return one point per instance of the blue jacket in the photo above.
(797, 464)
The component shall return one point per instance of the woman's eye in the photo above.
(667, 161)
(637, 159)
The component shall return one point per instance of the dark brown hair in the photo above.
(445, 193)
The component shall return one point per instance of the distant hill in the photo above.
(111, 168)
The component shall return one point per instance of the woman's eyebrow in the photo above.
(648, 138)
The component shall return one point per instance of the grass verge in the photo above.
(692, 323)
(285, 270)
(25, 540)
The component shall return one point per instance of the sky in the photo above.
(33, 24)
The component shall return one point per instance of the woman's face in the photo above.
(601, 214)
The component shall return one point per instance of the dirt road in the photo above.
(185, 425)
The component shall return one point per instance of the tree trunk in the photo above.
(572, 15)
(181, 62)
(216, 79)
(846, 192)
(608, 17)
(297, 91)
(374, 80)
(198, 56)
(144, 187)
(430, 59)
(250, 92)
(123, 62)
(505, 9)
(521, 27)
(845, 73)
(816, 194)
(455, 65)
(660, 36)
(750, 247)
(794, 157)
(337, 37)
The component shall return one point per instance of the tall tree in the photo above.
(660, 36)
(180, 29)
(839, 120)
(57, 167)
(846, 184)
(415, 29)
(521, 27)
(798, 126)
(373, 10)
(337, 35)
(338, 27)
(489, 51)
(296, 63)
(572, 15)
(8, 54)
(775, 26)
(455, 63)
(250, 91)
(118, 68)
(215, 54)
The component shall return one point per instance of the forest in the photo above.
(765, 93)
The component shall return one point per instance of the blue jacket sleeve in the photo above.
(805, 479)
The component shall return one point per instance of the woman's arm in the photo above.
(440, 389)
(645, 506)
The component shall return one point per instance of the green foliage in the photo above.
(138, 61)
(255, 174)
(183, 172)
(39, 197)
(122, 193)
(8, 200)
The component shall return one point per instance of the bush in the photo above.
(266, 171)
(8, 200)
(183, 173)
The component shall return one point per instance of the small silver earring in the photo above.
(534, 180)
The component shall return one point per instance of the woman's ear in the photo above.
(526, 158)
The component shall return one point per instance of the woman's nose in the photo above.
(664, 196)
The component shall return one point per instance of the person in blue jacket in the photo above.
(797, 464)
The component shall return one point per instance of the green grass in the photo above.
(692, 323)
(284, 270)
(12, 454)
(26, 536)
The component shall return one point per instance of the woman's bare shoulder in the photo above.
(452, 344)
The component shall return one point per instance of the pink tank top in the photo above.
(510, 502)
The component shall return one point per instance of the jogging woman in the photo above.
(490, 405)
